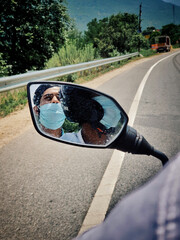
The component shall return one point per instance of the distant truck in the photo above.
(162, 44)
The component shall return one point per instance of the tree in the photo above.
(3, 67)
(149, 30)
(173, 31)
(31, 31)
(153, 36)
(95, 28)
(113, 34)
(139, 41)
(75, 36)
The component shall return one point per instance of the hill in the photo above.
(154, 12)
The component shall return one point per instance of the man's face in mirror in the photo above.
(50, 95)
(48, 110)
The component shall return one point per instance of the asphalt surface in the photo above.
(158, 120)
(47, 187)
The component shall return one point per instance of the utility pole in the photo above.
(173, 13)
(140, 13)
(139, 26)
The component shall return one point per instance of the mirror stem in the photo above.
(132, 142)
(164, 159)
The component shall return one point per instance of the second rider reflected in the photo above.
(92, 112)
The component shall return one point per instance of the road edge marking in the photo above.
(136, 100)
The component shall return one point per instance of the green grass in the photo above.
(148, 53)
(12, 101)
(176, 45)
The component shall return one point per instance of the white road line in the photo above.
(135, 103)
(101, 200)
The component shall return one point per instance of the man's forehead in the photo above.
(53, 90)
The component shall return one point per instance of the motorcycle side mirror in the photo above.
(74, 114)
(81, 116)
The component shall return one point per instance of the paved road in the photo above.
(47, 187)
(158, 119)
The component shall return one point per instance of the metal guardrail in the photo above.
(21, 80)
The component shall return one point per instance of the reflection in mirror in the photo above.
(75, 114)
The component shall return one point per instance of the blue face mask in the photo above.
(111, 112)
(51, 115)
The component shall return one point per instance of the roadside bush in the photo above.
(147, 52)
(72, 54)
(177, 45)
(71, 77)
(11, 101)
(4, 69)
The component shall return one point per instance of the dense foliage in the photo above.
(173, 31)
(4, 70)
(70, 53)
(75, 50)
(116, 34)
(31, 31)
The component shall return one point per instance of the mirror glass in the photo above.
(75, 114)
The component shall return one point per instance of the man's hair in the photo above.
(39, 92)
(79, 106)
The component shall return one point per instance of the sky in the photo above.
(176, 2)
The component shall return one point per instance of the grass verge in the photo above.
(12, 101)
